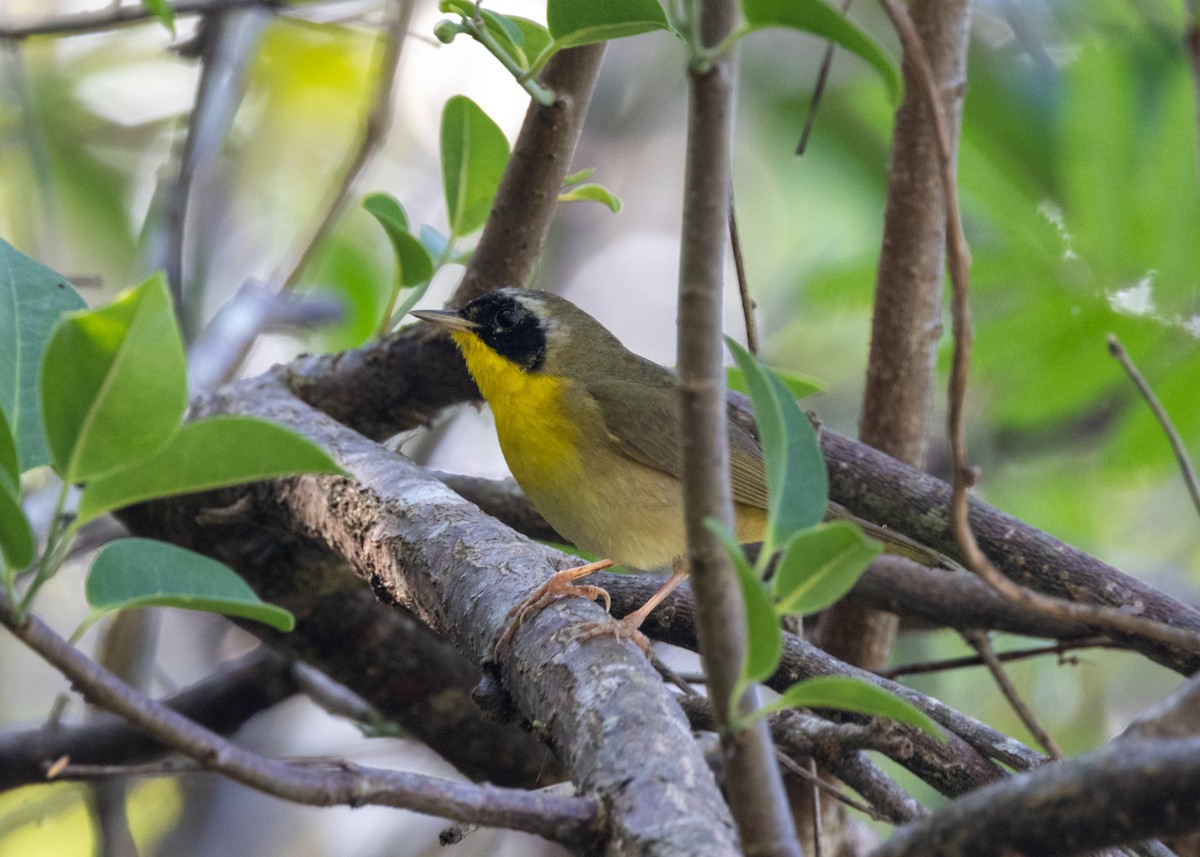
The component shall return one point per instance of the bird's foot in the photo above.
(622, 629)
(560, 585)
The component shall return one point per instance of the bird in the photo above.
(591, 433)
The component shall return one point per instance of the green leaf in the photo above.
(573, 23)
(474, 155)
(764, 640)
(798, 384)
(212, 453)
(413, 263)
(521, 38)
(593, 192)
(16, 537)
(797, 481)
(144, 573)
(817, 17)
(10, 469)
(819, 565)
(162, 10)
(851, 694)
(32, 297)
(114, 383)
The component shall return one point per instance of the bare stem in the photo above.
(982, 643)
(1164, 419)
(754, 785)
(739, 265)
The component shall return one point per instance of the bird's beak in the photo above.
(445, 319)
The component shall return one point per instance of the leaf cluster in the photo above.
(99, 395)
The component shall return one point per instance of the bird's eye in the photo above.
(506, 318)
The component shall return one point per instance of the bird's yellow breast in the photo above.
(537, 434)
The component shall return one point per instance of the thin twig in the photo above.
(130, 13)
(374, 130)
(818, 90)
(819, 785)
(943, 665)
(570, 821)
(958, 259)
(1186, 468)
(981, 641)
(739, 265)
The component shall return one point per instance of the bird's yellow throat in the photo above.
(537, 435)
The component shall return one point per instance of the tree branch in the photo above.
(906, 319)
(599, 703)
(571, 821)
(1120, 793)
(69, 25)
(221, 702)
(387, 656)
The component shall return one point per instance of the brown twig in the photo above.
(958, 257)
(982, 643)
(754, 786)
(571, 821)
(1060, 649)
(739, 266)
(129, 13)
(222, 702)
(374, 129)
(1186, 468)
(818, 90)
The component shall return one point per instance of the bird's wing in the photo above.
(643, 423)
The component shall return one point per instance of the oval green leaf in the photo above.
(797, 480)
(850, 694)
(213, 453)
(148, 573)
(10, 467)
(573, 23)
(474, 155)
(32, 298)
(764, 640)
(817, 17)
(114, 383)
(16, 536)
(820, 565)
(413, 263)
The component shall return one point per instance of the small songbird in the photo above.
(591, 432)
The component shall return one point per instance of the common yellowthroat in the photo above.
(590, 431)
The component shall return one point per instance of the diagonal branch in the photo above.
(221, 702)
(599, 704)
(1123, 792)
(571, 820)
